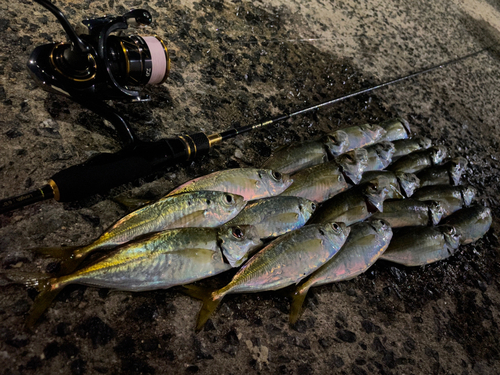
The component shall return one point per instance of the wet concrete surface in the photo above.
(236, 63)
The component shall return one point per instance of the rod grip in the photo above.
(106, 171)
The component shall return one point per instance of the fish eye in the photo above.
(229, 198)
(238, 233)
(313, 206)
(209, 202)
(276, 175)
(336, 226)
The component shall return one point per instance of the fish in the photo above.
(452, 198)
(355, 204)
(284, 262)
(190, 209)
(446, 173)
(402, 183)
(272, 217)
(291, 159)
(418, 160)
(318, 183)
(471, 223)
(157, 261)
(417, 246)
(353, 164)
(395, 129)
(410, 213)
(406, 146)
(250, 183)
(364, 245)
(347, 139)
(379, 156)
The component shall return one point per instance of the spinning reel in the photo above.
(100, 66)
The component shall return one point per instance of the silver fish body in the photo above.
(353, 137)
(318, 183)
(353, 164)
(164, 259)
(366, 242)
(355, 204)
(418, 160)
(401, 182)
(272, 217)
(379, 156)
(396, 128)
(291, 159)
(250, 183)
(364, 245)
(446, 173)
(471, 223)
(404, 147)
(417, 246)
(288, 259)
(451, 198)
(191, 209)
(410, 213)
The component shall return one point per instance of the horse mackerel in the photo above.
(283, 262)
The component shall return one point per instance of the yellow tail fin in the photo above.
(210, 303)
(68, 256)
(40, 281)
(42, 301)
(297, 302)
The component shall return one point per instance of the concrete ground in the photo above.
(235, 63)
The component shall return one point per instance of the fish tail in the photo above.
(48, 287)
(210, 300)
(48, 292)
(32, 280)
(297, 302)
(56, 252)
(70, 256)
(69, 265)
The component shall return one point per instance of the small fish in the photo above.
(272, 217)
(452, 198)
(318, 183)
(343, 140)
(447, 173)
(190, 209)
(290, 159)
(404, 147)
(353, 164)
(379, 156)
(410, 213)
(366, 242)
(396, 128)
(158, 261)
(401, 182)
(251, 183)
(417, 246)
(471, 223)
(282, 263)
(355, 204)
(418, 160)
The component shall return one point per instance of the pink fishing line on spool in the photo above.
(159, 59)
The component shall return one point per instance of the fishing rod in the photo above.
(108, 170)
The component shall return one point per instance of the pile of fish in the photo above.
(317, 212)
